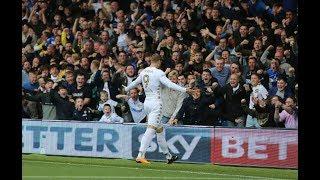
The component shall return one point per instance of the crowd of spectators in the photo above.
(240, 57)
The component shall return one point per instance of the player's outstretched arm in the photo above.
(165, 81)
(190, 91)
(133, 84)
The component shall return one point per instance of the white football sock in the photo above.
(145, 141)
(163, 144)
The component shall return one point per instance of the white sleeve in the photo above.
(264, 92)
(103, 119)
(118, 118)
(182, 96)
(112, 102)
(133, 84)
(165, 81)
(100, 107)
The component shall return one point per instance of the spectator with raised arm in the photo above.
(289, 114)
(132, 107)
(48, 109)
(258, 92)
(232, 112)
(194, 110)
(281, 89)
(63, 103)
(111, 43)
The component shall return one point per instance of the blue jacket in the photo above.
(290, 5)
(258, 8)
(221, 76)
(273, 75)
(30, 87)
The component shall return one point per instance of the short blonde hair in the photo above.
(96, 63)
(155, 58)
(104, 92)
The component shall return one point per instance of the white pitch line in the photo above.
(161, 170)
(119, 177)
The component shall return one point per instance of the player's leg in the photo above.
(151, 130)
(145, 142)
(164, 146)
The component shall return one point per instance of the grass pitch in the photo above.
(57, 167)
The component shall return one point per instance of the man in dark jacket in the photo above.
(194, 109)
(124, 77)
(102, 81)
(64, 104)
(207, 83)
(233, 92)
(211, 90)
(68, 82)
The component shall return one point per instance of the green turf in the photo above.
(57, 167)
